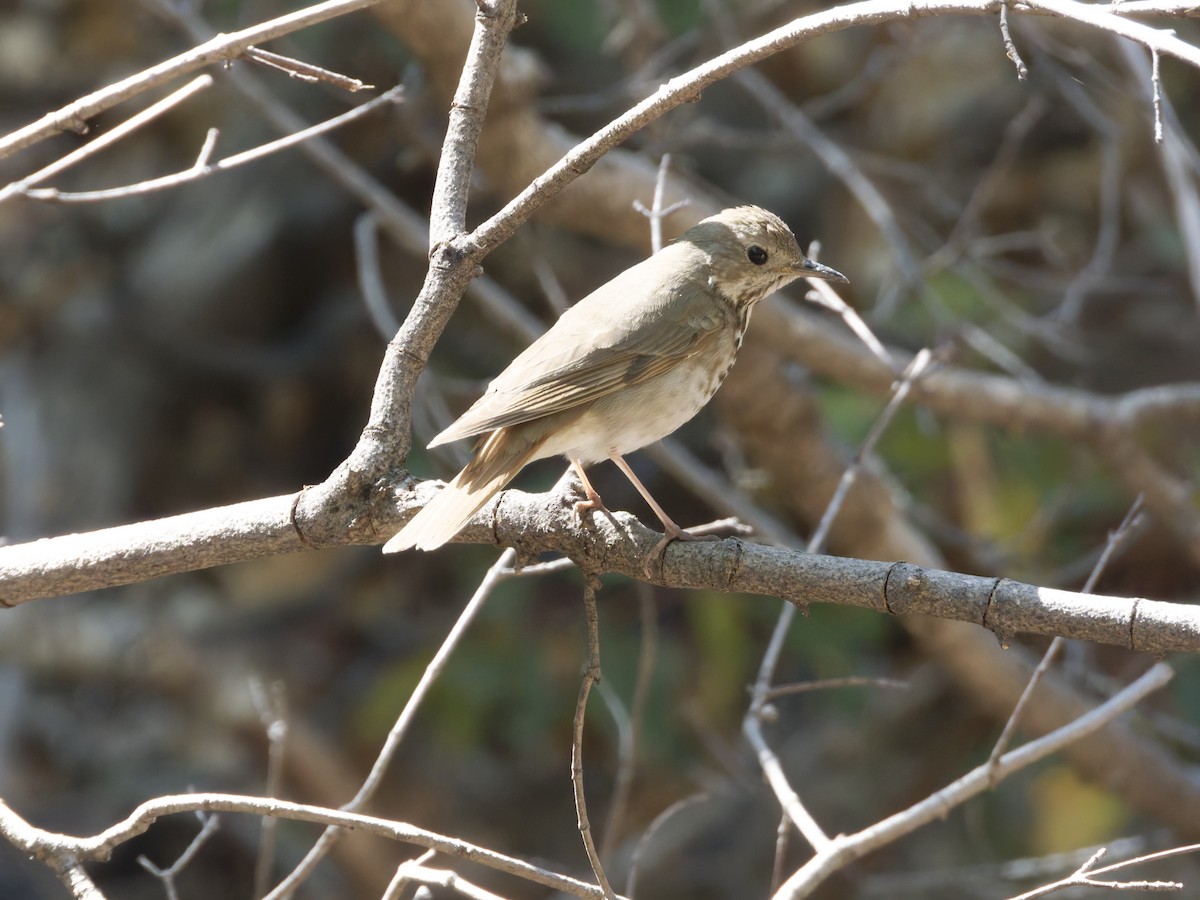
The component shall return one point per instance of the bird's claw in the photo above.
(590, 504)
(670, 534)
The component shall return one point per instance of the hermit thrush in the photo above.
(624, 367)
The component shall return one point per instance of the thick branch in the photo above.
(535, 523)
(132, 553)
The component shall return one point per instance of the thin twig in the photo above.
(133, 123)
(271, 704)
(1149, 857)
(829, 684)
(823, 295)
(208, 827)
(400, 880)
(390, 745)
(202, 168)
(412, 871)
(220, 48)
(656, 213)
(1178, 165)
(915, 370)
(370, 276)
(1085, 875)
(1115, 539)
(304, 71)
(758, 709)
(42, 844)
(1156, 89)
(623, 781)
(591, 676)
(643, 845)
(1010, 49)
(783, 834)
(840, 164)
(847, 848)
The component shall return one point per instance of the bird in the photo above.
(622, 368)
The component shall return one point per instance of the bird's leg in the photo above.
(671, 531)
(593, 503)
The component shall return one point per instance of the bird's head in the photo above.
(753, 254)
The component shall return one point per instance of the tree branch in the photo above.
(50, 846)
(223, 47)
(536, 523)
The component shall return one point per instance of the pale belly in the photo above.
(640, 414)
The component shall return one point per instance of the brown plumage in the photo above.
(624, 367)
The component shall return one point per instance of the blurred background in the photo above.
(211, 344)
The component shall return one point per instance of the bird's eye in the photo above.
(756, 254)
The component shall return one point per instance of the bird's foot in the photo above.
(591, 502)
(589, 505)
(671, 532)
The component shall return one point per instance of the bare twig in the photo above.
(830, 684)
(203, 168)
(918, 368)
(846, 848)
(304, 71)
(370, 277)
(783, 835)
(1156, 89)
(1148, 857)
(758, 709)
(271, 704)
(1085, 876)
(208, 827)
(1115, 540)
(401, 880)
(1010, 49)
(390, 745)
(840, 164)
(643, 844)
(108, 138)
(1156, 39)
(824, 295)
(74, 116)
(46, 845)
(657, 212)
(591, 676)
(1174, 157)
(448, 212)
(76, 880)
(1029, 868)
(631, 733)
(443, 878)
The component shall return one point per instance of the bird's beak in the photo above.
(810, 269)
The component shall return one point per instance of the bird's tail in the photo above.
(501, 456)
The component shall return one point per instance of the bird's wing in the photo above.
(607, 341)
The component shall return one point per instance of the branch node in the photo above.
(987, 606)
(292, 517)
(887, 584)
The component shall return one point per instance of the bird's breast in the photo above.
(641, 414)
